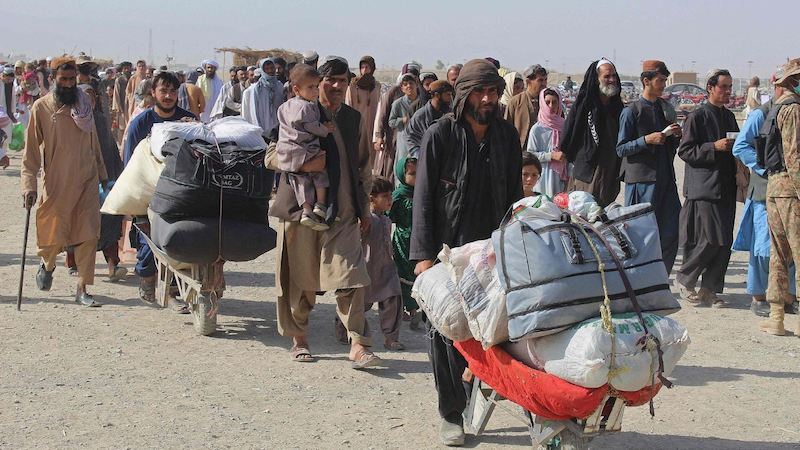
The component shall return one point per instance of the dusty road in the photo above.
(128, 376)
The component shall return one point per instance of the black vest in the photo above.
(757, 189)
(641, 167)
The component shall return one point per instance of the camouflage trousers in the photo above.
(783, 217)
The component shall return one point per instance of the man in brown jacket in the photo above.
(523, 109)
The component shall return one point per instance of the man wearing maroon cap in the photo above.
(648, 138)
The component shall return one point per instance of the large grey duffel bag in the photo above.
(551, 275)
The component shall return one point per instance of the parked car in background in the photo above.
(685, 97)
(629, 92)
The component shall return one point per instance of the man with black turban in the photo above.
(589, 139)
(469, 173)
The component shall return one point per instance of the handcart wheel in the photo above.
(571, 441)
(203, 325)
(566, 440)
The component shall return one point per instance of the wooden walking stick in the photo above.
(28, 206)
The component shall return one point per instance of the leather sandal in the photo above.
(365, 359)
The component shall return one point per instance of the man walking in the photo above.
(589, 139)
(165, 94)
(442, 97)
(753, 236)
(783, 200)
(119, 108)
(62, 143)
(310, 261)
(261, 100)
(469, 173)
(211, 85)
(647, 154)
(523, 109)
(709, 186)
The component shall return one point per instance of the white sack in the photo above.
(581, 354)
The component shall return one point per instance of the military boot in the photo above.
(774, 325)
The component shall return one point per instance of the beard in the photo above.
(609, 90)
(164, 108)
(481, 118)
(211, 74)
(65, 96)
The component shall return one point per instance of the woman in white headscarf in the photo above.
(514, 85)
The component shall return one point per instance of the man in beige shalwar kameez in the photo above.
(310, 261)
(72, 169)
(119, 104)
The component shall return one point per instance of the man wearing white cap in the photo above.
(211, 85)
(311, 58)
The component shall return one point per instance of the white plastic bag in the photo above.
(136, 185)
(437, 296)
(581, 354)
(473, 269)
(228, 129)
(536, 207)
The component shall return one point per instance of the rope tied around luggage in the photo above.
(648, 342)
(605, 308)
(219, 276)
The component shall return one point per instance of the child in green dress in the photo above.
(402, 200)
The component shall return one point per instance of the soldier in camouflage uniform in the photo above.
(783, 203)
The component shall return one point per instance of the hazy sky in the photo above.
(568, 34)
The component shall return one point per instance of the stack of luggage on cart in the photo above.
(204, 188)
(565, 304)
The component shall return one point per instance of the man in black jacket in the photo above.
(469, 174)
(590, 133)
(709, 186)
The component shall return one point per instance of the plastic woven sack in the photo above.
(582, 353)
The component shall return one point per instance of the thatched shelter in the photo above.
(249, 57)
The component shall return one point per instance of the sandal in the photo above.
(147, 291)
(310, 220)
(716, 302)
(177, 306)
(365, 359)
(690, 295)
(118, 273)
(301, 353)
(704, 299)
(394, 346)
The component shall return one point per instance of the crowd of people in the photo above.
(370, 184)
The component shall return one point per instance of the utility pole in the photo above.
(749, 68)
(693, 62)
(150, 56)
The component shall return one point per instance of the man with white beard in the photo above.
(211, 85)
(590, 134)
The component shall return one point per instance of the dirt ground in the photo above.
(130, 376)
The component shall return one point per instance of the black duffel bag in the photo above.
(195, 240)
(195, 173)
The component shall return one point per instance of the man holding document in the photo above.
(648, 139)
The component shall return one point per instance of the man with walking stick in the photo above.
(62, 142)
